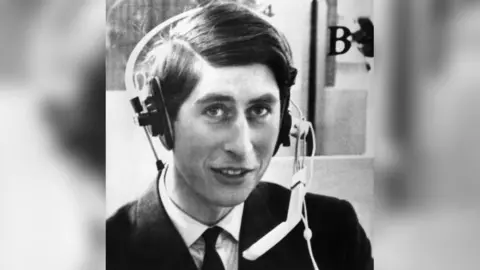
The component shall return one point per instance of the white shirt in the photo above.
(191, 230)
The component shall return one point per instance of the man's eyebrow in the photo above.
(209, 98)
(215, 97)
(265, 98)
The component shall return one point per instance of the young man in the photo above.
(225, 74)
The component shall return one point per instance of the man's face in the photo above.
(225, 133)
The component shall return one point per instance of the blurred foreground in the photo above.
(52, 157)
(428, 152)
(52, 148)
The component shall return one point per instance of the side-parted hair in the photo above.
(220, 34)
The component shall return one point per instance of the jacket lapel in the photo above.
(155, 237)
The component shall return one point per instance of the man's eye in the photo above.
(215, 111)
(259, 111)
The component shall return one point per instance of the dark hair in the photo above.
(221, 34)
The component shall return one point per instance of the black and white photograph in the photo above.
(239, 135)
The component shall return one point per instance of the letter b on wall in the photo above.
(334, 38)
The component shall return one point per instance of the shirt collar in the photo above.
(191, 229)
(232, 221)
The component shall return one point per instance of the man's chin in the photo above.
(231, 200)
(232, 194)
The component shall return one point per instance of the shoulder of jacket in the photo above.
(122, 221)
(281, 193)
(277, 198)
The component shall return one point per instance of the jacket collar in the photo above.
(155, 236)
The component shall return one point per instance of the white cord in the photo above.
(298, 109)
(309, 245)
(307, 234)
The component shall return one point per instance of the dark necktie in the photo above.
(211, 260)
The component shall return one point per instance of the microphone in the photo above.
(298, 190)
(294, 216)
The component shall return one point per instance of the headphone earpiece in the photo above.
(156, 118)
(285, 126)
(286, 118)
(157, 102)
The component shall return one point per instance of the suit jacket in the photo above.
(141, 236)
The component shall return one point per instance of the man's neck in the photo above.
(189, 202)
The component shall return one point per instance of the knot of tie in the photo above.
(210, 236)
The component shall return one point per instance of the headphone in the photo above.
(152, 114)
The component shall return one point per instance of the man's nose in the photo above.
(240, 138)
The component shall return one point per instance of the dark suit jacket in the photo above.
(141, 236)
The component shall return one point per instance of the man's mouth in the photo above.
(232, 172)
